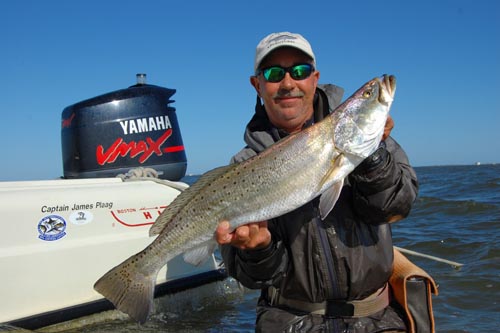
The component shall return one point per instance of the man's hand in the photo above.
(250, 236)
(389, 125)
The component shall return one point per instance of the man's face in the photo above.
(288, 103)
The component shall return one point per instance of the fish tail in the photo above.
(128, 289)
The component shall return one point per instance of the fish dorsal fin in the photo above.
(184, 197)
(201, 253)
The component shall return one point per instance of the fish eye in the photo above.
(367, 93)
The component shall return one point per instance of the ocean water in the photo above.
(456, 217)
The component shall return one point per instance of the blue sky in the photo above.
(445, 55)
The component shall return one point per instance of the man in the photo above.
(316, 275)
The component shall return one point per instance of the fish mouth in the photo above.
(387, 85)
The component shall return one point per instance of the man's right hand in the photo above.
(252, 236)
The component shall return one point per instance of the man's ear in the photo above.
(254, 81)
(317, 75)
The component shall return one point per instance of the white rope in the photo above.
(141, 174)
(455, 264)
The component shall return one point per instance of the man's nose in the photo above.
(287, 82)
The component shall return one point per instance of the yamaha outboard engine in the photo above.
(110, 134)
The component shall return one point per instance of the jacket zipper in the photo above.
(330, 264)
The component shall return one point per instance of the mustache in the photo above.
(288, 93)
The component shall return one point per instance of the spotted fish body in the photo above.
(280, 179)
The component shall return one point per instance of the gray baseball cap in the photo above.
(281, 39)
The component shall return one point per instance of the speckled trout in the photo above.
(283, 177)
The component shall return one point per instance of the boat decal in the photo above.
(144, 125)
(51, 228)
(96, 205)
(54, 209)
(173, 149)
(81, 217)
(66, 123)
(133, 217)
(142, 149)
(102, 204)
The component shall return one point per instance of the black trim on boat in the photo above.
(74, 312)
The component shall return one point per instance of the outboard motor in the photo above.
(110, 134)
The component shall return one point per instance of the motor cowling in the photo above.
(112, 133)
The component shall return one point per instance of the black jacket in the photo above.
(349, 255)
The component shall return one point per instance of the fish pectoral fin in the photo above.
(333, 182)
(201, 253)
(332, 175)
(329, 198)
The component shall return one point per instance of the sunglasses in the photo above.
(277, 73)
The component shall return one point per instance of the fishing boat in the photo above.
(123, 160)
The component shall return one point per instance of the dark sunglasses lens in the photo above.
(274, 74)
(301, 72)
(298, 72)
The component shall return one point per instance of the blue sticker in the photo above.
(51, 228)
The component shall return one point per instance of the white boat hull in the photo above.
(60, 236)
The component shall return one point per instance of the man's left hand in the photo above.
(389, 125)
